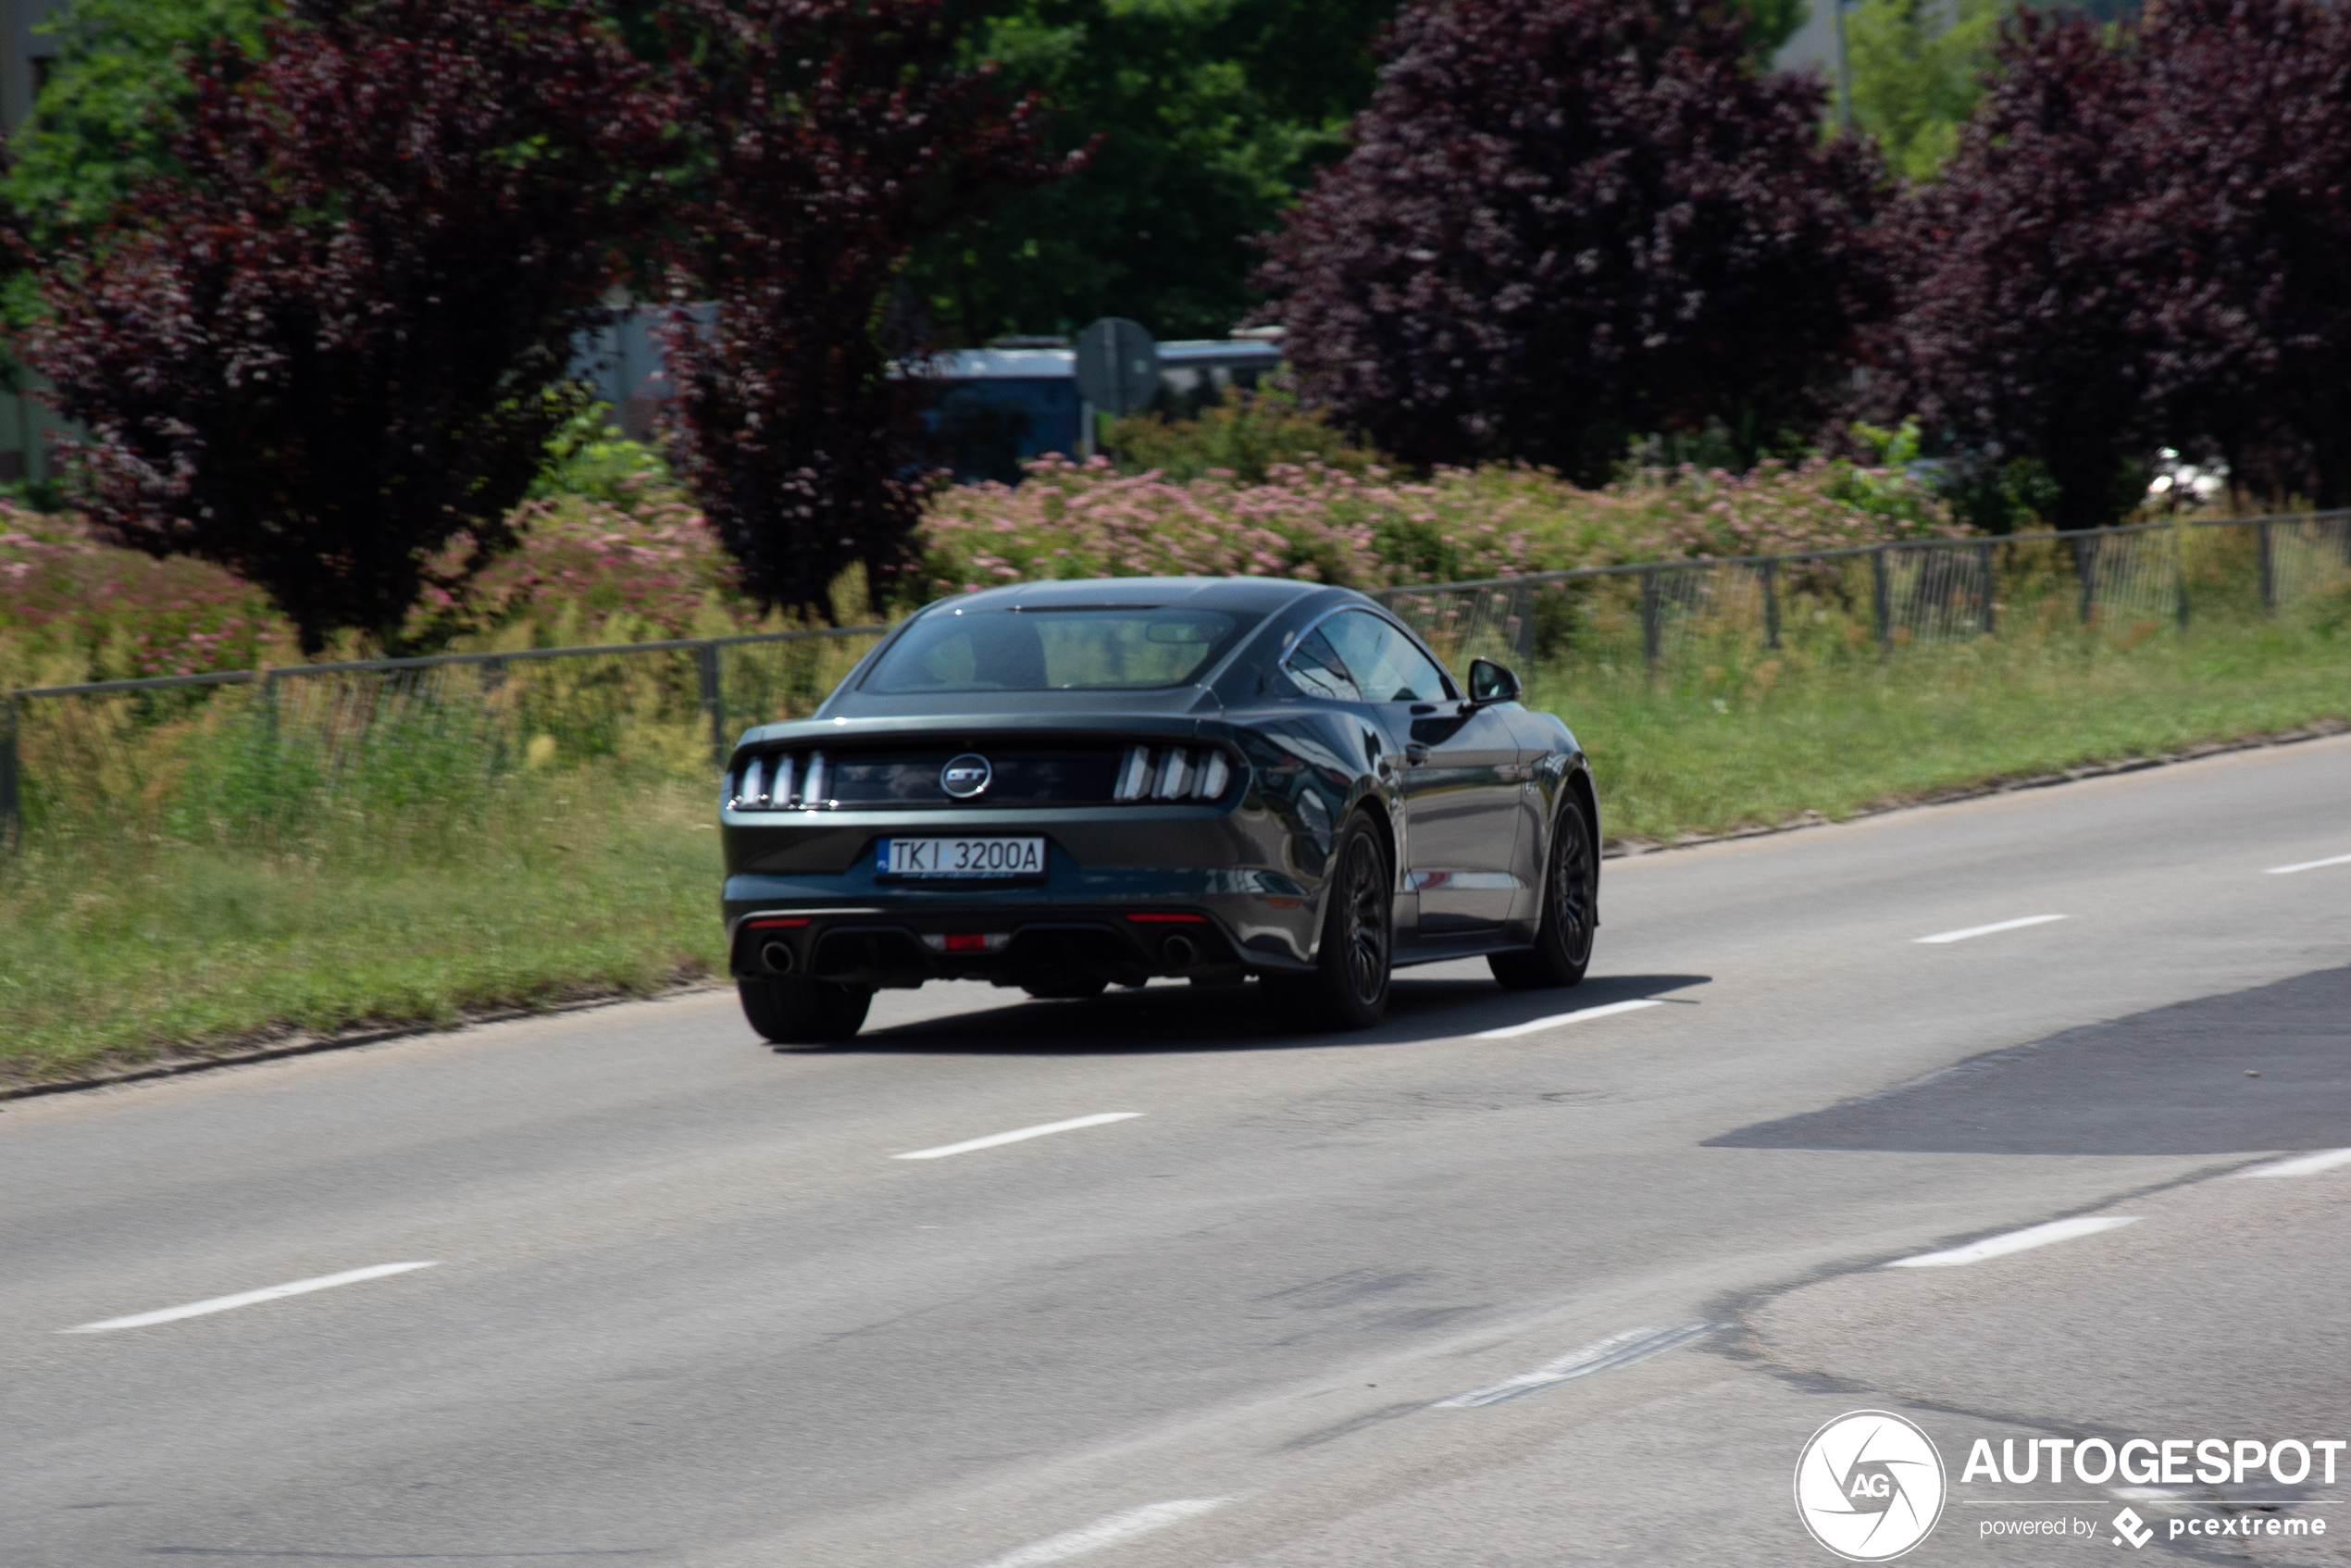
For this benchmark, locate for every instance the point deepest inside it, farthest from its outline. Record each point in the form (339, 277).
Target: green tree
(1202, 118)
(1917, 68)
(112, 104)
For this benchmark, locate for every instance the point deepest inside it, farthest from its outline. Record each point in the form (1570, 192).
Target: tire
(1348, 987)
(801, 1012)
(1562, 948)
(1067, 990)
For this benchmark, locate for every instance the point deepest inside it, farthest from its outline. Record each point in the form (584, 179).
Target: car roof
(1257, 594)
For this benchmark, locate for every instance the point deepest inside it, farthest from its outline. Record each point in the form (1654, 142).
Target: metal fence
(384, 732)
(373, 732)
(1884, 597)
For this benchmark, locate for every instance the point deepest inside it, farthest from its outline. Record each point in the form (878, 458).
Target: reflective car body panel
(1184, 828)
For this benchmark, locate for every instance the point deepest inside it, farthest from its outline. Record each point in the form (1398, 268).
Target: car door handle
(1414, 754)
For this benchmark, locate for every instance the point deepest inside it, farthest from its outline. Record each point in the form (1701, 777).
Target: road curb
(2318, 730)
(311, 1045)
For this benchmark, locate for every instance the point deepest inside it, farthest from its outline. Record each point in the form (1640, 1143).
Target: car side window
(1387, 666)
(1316, 666)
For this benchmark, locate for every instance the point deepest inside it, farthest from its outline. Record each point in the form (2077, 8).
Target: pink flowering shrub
(650, 562)
(639, 561)
(72, 608)
(1374, 530)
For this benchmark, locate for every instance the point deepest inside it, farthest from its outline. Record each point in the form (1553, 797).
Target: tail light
(1172, 772)
(774, 783)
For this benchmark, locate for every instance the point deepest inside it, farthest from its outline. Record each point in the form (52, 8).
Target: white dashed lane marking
(1964, 933)
(1109, 1530)
(2016, 1241)
(246, 1297)
(998, 1139)
(2309, 866)
(2303, 1164)
(1514, 1030)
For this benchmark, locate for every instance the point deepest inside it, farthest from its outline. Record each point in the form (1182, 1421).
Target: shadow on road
(2240, 1073)
(1197, 1018)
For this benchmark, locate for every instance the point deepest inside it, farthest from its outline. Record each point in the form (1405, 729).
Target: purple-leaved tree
(829, 136)
(328, 353)
(1565, 223)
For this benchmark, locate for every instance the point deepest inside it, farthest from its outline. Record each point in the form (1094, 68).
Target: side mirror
(1490, 682)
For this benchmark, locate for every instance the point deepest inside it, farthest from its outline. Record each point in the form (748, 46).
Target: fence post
(1523, 610)
(1650, 632)
(1882, 597)
(269, 708)
(2179, 576)
(714, 706)
(9, 811)
(1988, 570)
(1770, 602)
(2269, 568)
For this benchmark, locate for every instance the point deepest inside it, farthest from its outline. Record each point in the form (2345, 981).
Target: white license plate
(960, 857)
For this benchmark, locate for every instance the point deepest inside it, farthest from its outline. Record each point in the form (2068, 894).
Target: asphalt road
(685, 1306)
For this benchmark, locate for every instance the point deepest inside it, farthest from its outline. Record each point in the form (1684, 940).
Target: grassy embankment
(232, 908)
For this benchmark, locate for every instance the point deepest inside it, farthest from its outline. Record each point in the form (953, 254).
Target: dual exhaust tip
(1177, 951)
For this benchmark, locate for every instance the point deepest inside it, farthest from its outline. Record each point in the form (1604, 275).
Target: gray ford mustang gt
(1064, 785)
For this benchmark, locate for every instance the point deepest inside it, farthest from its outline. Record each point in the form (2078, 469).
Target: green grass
(1758, 741)
(250, 898)
(118, 949)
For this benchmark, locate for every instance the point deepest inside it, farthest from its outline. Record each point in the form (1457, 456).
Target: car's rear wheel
(789, 1010)
(1066, 990)
(1562, 948)
(1348, 987)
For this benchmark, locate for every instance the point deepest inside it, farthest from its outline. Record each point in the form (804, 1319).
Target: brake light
(773, 924)
(1171, 773)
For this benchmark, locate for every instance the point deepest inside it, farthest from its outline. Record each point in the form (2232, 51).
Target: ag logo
(966, 776)
(1868, 1485)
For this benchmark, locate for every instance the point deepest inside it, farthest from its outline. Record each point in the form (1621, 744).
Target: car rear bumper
(1126, 925)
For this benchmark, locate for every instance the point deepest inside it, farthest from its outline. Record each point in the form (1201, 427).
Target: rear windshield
(1101, 649)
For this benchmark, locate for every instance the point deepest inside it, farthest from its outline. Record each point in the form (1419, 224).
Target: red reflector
(967, 941)
(772, 924)
(1171, 919)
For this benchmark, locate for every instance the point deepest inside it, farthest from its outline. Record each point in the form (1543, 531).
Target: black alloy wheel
(1348, 987)
(792, 1010)
(1562, 948)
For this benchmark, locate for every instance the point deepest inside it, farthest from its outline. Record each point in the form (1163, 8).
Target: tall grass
(204, 868)
(1760, 739)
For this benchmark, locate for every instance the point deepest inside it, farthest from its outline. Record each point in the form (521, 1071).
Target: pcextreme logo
(1869, 1486)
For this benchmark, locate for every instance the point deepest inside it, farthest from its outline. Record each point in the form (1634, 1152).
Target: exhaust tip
(1179, 951)
(778, 956)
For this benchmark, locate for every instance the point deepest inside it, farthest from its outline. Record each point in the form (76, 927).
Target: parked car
(1062, 785)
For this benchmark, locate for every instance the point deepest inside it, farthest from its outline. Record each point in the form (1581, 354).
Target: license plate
(960, 857)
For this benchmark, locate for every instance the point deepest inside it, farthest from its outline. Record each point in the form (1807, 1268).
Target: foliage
(2025, 325)
(1198, 120)
(2247, 205)
(1917, 74)
(1373, 529)
(2138, 246)
(587, 456)
(116, 98)
(1568, 223)
(1245, 438)
(829, 138)
(328, 353)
